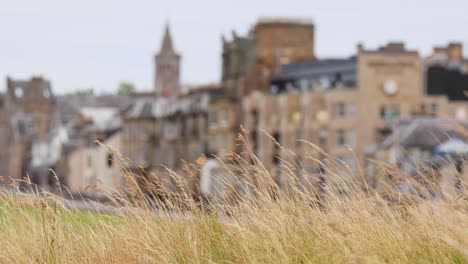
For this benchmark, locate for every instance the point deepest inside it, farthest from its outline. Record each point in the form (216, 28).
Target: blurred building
(25, 116)
(342, 106)
(324, 100)
(165, 132)
(89, 160)
(415, 147)
(249, 62)
(278, 42)
(297, 110)
(447, 71)
(70, 153)
(223, 126)
(167, 68)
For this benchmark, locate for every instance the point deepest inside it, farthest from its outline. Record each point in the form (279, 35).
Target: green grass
(35, 230)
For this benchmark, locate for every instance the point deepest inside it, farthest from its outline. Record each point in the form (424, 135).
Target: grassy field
(358, 228)
(346, 221)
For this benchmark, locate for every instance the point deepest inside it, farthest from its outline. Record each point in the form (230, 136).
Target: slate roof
(424, 133)
(141, 108)
(68, 105)
(311, 68)
(165, 107)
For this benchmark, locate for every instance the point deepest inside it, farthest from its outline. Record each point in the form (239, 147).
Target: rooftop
(317, 68)
(424, 132)
(103, 118)
(393, 47)
(285, 20)
(165, 106)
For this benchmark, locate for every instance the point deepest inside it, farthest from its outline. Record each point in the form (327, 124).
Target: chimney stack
(455, 51)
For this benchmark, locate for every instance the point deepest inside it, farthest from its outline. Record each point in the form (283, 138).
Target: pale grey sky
(99, 43)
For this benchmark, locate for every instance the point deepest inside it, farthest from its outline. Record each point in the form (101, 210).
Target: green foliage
(125, 88)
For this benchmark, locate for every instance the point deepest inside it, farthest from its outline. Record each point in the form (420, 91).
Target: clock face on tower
(390, 87)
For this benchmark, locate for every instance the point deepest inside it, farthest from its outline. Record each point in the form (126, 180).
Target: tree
(125, 88)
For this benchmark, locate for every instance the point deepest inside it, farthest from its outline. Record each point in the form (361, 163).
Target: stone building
(278, 42)
(139, 132)
(449, 56)
(446, 81)
(342, 106)
(249, 62)
(237, 59)
(223, 128)
(69, 147)
(165, 132)
(247, 65)
(25, 115)
(4, 137)
(93, 169)
(167, 68)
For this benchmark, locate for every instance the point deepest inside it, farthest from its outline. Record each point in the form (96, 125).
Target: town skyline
(75, 54)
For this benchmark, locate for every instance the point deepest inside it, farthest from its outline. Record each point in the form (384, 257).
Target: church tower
(167, 70)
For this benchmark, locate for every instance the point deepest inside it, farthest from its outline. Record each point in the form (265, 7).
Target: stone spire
(167, 47)
(167, 68)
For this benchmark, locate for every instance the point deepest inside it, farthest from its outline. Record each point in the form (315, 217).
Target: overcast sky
(99, 43)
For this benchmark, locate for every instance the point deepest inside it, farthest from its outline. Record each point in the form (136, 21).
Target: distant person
(206, 177)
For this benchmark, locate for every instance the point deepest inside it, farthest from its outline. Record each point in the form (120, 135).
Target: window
(304, 85)
(274, 89)
(110, 160)
(212, 119)
(389, 112)
(341, 137)
(434, 109)
(351, 138)
(324, 83)
(341, 109)
(346, 136)
(351, 110)
(223, 117)
(254, 115)
(323, 137)
(383, 110)
(170, 130)
(194, 127)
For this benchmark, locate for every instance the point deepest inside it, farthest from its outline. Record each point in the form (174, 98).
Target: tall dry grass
(342, 221)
